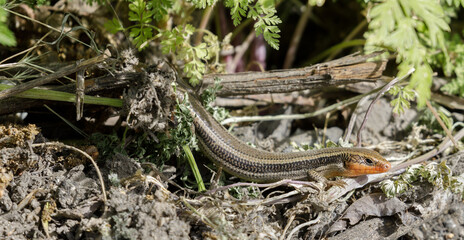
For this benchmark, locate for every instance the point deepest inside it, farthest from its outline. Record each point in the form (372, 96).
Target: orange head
(364, 161)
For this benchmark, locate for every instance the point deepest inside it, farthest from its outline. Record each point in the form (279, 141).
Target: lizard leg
(313, 175)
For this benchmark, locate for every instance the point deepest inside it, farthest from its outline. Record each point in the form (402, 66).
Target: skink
(248, 163)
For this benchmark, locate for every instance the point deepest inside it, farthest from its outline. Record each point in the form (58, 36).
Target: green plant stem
(117, 17)
(144, 26)
(350, 36)
(63, 96)
(342, 45)
(442, 124)
(240, 27)
(217, 24)
(193, 165)
(204, 21)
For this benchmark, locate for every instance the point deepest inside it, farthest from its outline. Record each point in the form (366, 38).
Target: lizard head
(365, 161)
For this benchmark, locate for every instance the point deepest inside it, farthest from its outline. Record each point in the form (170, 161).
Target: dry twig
(381, 92)
(59, 144)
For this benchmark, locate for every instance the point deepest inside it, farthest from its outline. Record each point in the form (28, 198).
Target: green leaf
(160, 8)
(189, 30)
(408, 93)
(7, 37)
(3, 12)
(213, 46)
(446, 119)
(264, 12)
(421, 81)
(133, 17)
(203, 3)
(399, 105)
(141, 36)
(271, 36)
(177, 42)
(201, 51)
(140, 12)
(113, 26)
(414, 29)
(404, 96)
(394, 90)
(135, 32)
(238, 9)
(439, 175)
(452, 64)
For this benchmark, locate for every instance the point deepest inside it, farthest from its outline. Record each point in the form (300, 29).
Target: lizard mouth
(357, 169)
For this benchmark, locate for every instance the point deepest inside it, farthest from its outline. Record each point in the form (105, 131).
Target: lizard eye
(369, 161)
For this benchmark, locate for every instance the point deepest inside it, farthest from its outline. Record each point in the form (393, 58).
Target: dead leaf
(374, 205)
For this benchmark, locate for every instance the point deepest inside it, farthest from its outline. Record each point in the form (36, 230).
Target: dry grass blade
(442, 124)
(381, 92)
(297, 228)
(51, 77)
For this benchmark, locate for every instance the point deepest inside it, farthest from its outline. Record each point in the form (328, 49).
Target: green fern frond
(414, 29)
(263, 12)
